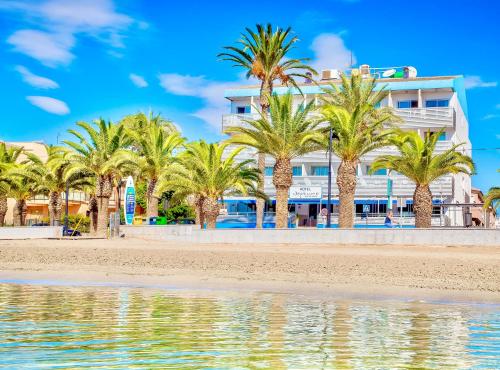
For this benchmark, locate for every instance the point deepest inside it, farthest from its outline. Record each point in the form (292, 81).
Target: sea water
(50, 326)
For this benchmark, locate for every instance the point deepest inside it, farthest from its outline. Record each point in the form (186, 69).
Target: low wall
(28, 232)
(191, 234)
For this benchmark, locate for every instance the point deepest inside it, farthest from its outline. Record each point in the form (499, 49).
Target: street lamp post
(329, 201)
(66, 213)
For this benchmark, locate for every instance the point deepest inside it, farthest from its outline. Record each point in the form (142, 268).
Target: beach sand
(431, 273)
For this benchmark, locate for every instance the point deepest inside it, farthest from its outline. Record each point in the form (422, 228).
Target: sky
(65, 61)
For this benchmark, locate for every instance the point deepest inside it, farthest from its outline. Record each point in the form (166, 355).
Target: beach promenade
(413, 272)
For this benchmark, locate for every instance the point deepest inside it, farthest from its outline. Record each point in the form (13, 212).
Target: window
(380, 172)
(319, 170)
(406, 104)
(297, 170)
(437, 103)
(268, 171)
(243, 110)
(442, 135)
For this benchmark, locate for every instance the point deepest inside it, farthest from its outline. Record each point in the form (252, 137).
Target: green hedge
(82, 221)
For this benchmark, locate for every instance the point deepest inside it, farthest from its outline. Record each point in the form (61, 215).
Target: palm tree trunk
(346, 182)
(198, 209)
(103, 193)
(3, 209)
(152, 210)
(422, 206)
(102, 216)
(210, 211)
(55, 204)
(282, 180)
(266, 89)
(20, 210)
(260, 203)
(93, 212)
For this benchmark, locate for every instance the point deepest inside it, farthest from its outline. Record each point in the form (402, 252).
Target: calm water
(91, 327)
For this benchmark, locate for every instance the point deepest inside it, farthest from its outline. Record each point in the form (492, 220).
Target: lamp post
(66, 212)
(329, 201)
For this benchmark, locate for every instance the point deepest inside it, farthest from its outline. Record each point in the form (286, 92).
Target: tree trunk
(93, 212)
(422, 206)
(55, 204)
(346, 182)
(210, 211)
(266, 89)
(198, 209)
(20, 210)
(282, 180)
(104, 189)
(152, 210)
(102, 217)
(260, 203)
(3, 209)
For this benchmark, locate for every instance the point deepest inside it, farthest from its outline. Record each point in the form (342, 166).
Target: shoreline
(431, 274)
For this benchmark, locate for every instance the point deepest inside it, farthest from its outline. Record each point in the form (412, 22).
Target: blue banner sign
(129, 201)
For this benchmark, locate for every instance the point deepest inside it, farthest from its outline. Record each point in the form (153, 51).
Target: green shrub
(78, 222)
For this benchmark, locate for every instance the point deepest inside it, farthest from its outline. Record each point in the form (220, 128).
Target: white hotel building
(424, 103)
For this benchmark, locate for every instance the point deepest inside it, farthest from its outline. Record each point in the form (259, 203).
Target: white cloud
(50, 49)
(56, 23)
(211, 92)
(137, 80)
(472, 82)
(35, 80)
(50, 105)
(490, 116)
(331, 52)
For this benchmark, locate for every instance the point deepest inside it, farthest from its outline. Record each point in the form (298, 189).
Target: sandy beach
(403, 272)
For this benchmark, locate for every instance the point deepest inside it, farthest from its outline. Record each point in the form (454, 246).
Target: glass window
(406, 104)
(297, 170)
(319, 170)
(437, 103)
(380, 172)
(243, 110)
(442, 135)
(268, 171)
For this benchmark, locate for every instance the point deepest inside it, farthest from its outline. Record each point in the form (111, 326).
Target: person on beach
(389, 220)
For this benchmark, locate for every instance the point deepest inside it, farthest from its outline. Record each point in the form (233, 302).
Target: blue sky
(64, 61)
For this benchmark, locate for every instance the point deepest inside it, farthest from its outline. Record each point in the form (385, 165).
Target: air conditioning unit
(330, 74)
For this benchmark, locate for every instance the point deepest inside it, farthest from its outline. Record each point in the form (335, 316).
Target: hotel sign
(305, 192)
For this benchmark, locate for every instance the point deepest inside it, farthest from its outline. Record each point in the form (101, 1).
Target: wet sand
(429, 273)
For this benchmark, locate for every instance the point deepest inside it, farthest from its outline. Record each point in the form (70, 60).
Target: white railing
(413, 117)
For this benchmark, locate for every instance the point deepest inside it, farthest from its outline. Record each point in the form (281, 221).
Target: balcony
(413, 118)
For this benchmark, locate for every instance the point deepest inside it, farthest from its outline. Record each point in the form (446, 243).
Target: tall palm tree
(100, 150)
(264, 55)
(418, 161)
(9, 156)
(359, 128)
(204, 172)
(284, 135)
(492, 197)
(21, 188)
(155, 147)
(49, 178)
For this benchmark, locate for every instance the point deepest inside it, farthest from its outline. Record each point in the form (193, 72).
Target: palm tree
(492, 197)
(155, 150)
(264, 55)
(100, 150)
(20, 188)
(49, 178)
(358, 126)
(284, 135)
(418, 161)
(9, 156)
(204, 173)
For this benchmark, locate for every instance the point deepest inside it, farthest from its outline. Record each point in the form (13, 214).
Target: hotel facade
(425, 104)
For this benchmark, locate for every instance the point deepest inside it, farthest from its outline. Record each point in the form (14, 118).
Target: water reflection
(72, 327)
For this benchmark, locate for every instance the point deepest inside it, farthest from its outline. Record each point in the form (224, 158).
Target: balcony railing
(413, 118)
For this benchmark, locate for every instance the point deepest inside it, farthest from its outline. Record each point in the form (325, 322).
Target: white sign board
(305, 192)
